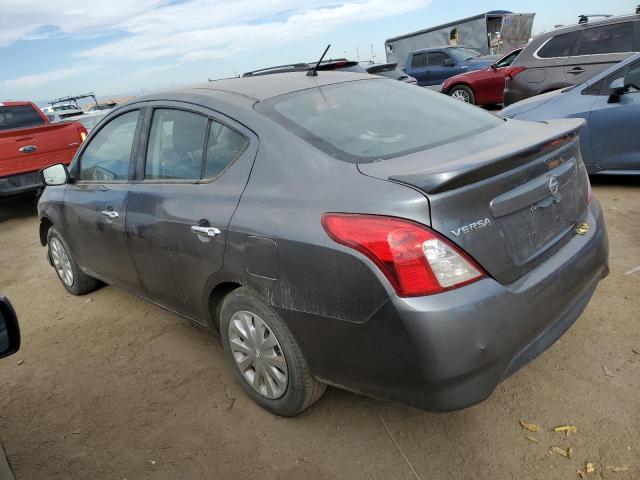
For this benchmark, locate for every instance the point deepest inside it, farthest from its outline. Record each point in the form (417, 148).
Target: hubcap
(258, 354)
(461, 95)
(61, 262)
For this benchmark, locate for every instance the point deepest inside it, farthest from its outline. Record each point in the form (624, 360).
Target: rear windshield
(19, 116)
(369, 120)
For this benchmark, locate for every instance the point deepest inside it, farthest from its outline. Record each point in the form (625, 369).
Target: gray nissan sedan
(338, 229)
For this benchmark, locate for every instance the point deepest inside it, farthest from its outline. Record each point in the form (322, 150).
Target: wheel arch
(216, 297)
(45, 225)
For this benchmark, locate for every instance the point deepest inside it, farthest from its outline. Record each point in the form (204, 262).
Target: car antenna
(313, 72)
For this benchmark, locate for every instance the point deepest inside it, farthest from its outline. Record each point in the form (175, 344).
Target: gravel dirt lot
(109, 386)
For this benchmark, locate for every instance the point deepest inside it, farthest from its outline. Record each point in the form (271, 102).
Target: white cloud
(38, 79)
(191, 30)
(151, 36)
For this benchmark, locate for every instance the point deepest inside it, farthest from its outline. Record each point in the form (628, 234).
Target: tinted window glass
(19, 116)
(419, 60)
(225, 145)
(632, 77)
(176, 144)
(508, 60)
(437, 58)
(369, 120)
(108, 155)
(560, 45)
(607, 39)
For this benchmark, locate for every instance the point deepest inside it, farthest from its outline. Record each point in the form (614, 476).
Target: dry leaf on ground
(532, 427)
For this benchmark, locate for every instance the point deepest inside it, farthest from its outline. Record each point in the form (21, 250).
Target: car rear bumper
(450, 351)
(21, 183)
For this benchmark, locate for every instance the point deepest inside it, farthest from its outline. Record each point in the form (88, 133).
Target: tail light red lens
(416, 260)
(511, 72)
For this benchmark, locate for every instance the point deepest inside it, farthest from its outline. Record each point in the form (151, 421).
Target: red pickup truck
(29, 143)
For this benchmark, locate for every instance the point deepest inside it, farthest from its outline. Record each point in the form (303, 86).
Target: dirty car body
(322, 212)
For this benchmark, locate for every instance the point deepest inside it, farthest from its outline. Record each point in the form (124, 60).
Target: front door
(191, 175)
(96, 202)
(438, 72)
(614, 127)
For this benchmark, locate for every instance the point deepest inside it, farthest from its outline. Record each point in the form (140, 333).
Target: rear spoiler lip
(496, 160)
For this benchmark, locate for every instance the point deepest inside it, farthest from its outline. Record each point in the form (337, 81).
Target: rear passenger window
(225, 145)
(176, 145)
(614, 38)
(560, 45)
(419, 60)
(108, 155)
(19, 116)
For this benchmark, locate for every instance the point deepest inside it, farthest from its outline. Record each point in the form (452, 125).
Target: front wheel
(463, 93)
(72, 277)
(266, 359)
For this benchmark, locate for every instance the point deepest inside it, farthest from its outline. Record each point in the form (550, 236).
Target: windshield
(464, 53)
(369, 120)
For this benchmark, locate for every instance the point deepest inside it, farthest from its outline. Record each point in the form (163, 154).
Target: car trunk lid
(509, 197)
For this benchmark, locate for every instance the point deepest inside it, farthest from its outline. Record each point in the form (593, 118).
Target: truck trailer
(490, 33)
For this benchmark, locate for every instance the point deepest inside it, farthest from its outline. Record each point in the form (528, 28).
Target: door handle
(28, 149)
(110, 214)
(210, 232)
(576, 70)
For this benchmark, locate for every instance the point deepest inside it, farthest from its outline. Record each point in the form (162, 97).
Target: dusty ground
(108, 386)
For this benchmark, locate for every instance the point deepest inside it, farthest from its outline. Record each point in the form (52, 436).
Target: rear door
(614, 127)
(191, 174)
(598, 48)
(28, 143)
(418, 67)
(96, 201)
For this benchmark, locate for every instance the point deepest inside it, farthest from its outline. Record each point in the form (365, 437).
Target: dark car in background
(610, 105)
(432, 66)
(389, 70)
(481, 87)
(341, 229)
(571, 55)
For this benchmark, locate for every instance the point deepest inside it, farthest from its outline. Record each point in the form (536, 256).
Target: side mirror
(448, 62)
(494, 67)
(617, 89)
(9, 329)
(55, 175)
(404, 69)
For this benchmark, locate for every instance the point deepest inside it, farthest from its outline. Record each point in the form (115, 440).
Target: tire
(463, 93)
(292, 387)
(78, 282)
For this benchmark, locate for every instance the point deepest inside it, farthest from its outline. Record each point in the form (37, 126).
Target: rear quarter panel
(292, 184)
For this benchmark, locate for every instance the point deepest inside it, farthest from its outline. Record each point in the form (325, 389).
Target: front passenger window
(176, 145)
(108, 155)
(632, 77)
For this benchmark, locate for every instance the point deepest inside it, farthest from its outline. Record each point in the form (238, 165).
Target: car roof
(262, 87)
(580, 26)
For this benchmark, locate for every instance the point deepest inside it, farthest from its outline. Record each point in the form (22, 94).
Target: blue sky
(50, 48)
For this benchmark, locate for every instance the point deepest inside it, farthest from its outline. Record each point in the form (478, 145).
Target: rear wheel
(266, 358)
(463, 93)
(72, 277)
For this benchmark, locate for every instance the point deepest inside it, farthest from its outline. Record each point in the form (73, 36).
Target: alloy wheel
(61, 262)
(461, 95)
(258, 354)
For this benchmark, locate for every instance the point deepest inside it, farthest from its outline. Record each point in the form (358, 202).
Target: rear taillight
(83, 136)
(415, 259)
(82, 131)
(513, 71)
